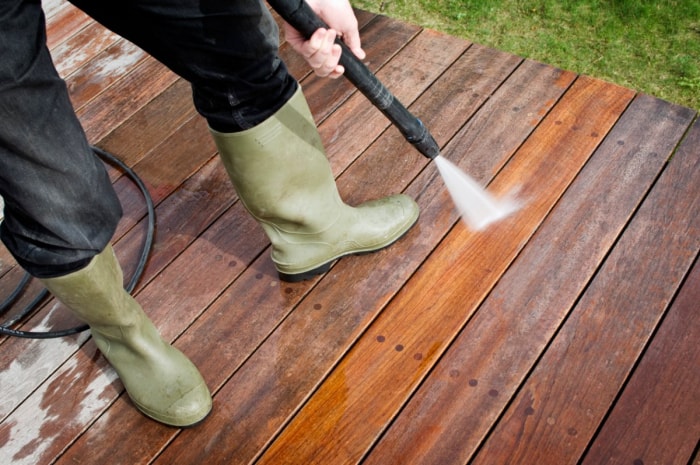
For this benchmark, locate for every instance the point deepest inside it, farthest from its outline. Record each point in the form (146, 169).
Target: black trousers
(60, 208)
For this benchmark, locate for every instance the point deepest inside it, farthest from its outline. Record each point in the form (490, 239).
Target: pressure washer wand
(300, 16)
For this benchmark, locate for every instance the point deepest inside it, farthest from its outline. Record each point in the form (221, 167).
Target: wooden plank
(565, 399)
(51, 7)
(191, 139)
(451, 413)
(120, 101)
(175, 159)
(64, 24)
(220, 323)
(156, 122)
(7, 263)
(111, 67)
(411, 334)
(324, 321)
(82, 47)
(657, 417)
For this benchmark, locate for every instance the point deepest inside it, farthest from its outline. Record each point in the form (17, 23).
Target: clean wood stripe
(418, 324)
(325, 321)
(454, 409)
(183, 142)
(157, 439)
(580, 374)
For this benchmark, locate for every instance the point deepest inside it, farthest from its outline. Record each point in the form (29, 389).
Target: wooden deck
(565, 334)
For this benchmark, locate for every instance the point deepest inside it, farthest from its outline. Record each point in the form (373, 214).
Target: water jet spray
(476, 206)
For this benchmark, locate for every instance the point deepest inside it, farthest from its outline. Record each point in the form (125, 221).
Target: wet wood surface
(566, 333)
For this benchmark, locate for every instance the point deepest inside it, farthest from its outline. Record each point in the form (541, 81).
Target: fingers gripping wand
(300, 16)
(477, 207)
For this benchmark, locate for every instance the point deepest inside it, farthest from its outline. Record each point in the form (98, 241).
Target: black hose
(5, 327)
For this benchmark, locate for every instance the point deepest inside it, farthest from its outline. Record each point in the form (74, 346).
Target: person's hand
(321, 51)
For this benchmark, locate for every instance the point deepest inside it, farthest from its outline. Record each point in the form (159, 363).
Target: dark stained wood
(560, 405)
(324, 321)
(657, 391)
(455, 408)
(563, 334)
(154, 123)
(124, 98)
(413, 331)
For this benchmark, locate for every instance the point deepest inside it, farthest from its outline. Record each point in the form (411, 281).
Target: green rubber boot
(160, 380)
(281, 174)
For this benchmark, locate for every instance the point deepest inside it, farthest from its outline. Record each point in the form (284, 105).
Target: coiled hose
(6, 326)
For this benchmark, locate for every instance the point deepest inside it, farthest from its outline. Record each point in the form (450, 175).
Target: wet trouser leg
(60, 208)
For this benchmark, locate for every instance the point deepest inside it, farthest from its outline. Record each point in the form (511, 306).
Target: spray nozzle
(423, 141)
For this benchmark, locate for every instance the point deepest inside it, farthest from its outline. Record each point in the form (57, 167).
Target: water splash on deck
(477, 207)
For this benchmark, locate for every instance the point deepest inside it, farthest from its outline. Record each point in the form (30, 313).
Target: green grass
(652, 46)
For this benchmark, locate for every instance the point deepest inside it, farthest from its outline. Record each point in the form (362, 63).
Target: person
(61, 210)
